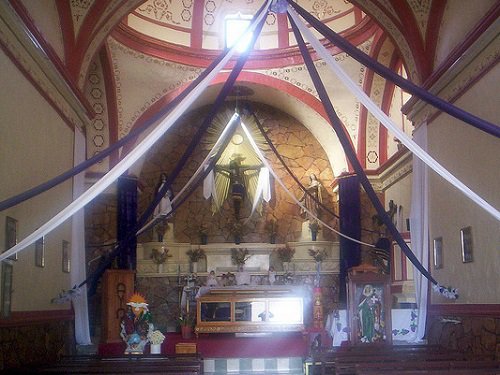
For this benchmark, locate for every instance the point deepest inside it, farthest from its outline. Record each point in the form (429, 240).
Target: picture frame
(467, 244)
(438, 252)
(10, 235)
(40, 252)
(66, 260)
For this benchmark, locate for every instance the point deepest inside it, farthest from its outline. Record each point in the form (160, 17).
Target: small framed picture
(40, 252)
(66, 260)
(10, 235)
(438, 253)
(467, 244)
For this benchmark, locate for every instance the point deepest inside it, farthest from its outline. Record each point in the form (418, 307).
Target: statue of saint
(309, 202)
(165, 206)
(136, 325)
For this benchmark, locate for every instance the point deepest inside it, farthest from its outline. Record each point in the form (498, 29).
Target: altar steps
(253, 366)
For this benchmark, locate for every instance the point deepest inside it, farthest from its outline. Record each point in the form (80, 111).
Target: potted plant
(319, 256)
(314, 227)
(194, 256)
(203, 233)
(285, 254)
(186, 322)
(237, 232)
(159, 256)
(272, 229)
(239, 256)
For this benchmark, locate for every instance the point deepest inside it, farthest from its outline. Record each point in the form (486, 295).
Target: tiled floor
(220, 366)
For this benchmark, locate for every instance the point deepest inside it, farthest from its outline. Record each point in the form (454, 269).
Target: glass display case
(234, 311)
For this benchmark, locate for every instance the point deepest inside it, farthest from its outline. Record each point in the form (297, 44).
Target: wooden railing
(403, 359)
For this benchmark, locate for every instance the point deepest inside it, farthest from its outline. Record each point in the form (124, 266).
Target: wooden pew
(140, 364)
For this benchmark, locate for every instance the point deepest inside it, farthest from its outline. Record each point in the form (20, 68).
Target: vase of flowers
(239, 256)
(194, 256)
(159, 257)
(314, 227)
(272, 229)
(156, 339)
(186, 322)
(285, 255)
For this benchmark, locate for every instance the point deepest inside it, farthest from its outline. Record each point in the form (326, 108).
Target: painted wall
(35, 145)
(473, 157)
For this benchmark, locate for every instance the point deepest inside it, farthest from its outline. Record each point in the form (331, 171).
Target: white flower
(156, 337)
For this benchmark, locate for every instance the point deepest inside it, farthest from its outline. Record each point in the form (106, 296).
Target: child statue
(136, 325)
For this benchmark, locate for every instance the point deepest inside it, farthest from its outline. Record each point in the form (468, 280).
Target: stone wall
(471, 335)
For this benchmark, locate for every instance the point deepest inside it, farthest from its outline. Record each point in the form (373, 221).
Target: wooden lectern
(117, 288)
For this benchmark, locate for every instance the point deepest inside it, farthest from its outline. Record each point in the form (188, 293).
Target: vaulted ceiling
(116, 63)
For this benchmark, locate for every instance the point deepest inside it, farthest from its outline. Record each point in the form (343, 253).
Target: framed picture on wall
(438, 252)
(40, 252)
(10, 235)
(66, 260)
(467, 244)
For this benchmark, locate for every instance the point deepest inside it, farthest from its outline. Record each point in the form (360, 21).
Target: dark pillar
(127, 220)
(350, 225)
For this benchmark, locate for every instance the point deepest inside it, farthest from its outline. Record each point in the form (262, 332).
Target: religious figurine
(369, 311)
(164, 207)
(312, 202)
(242, 276)
(271, 275)
(212, 279)
(136, 325)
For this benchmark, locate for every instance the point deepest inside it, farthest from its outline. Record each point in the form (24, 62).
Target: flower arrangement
(448, 292)
(195, 254)
(156, 337)
(314, 226)
(319, 255)
(285, 254)
(239, 256)
(160, 256)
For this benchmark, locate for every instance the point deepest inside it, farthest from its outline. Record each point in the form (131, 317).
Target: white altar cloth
(404, 326)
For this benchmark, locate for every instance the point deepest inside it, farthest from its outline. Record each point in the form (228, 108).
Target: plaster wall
(459, 18)
(35, 145)
(473, 157)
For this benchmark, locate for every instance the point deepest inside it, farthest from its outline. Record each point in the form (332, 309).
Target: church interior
(250, 186)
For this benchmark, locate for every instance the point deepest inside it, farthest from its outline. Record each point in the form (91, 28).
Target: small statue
(271, 275)
(212, 279)
(136, 325)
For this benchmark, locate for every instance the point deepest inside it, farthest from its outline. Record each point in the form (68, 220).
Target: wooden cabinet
(246, 311)
(117, 288)
(369, 306)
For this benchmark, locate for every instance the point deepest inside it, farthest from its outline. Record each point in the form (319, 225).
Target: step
(268, 366)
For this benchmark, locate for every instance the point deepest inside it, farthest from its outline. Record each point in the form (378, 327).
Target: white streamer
(129, 159)
(386, 121)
